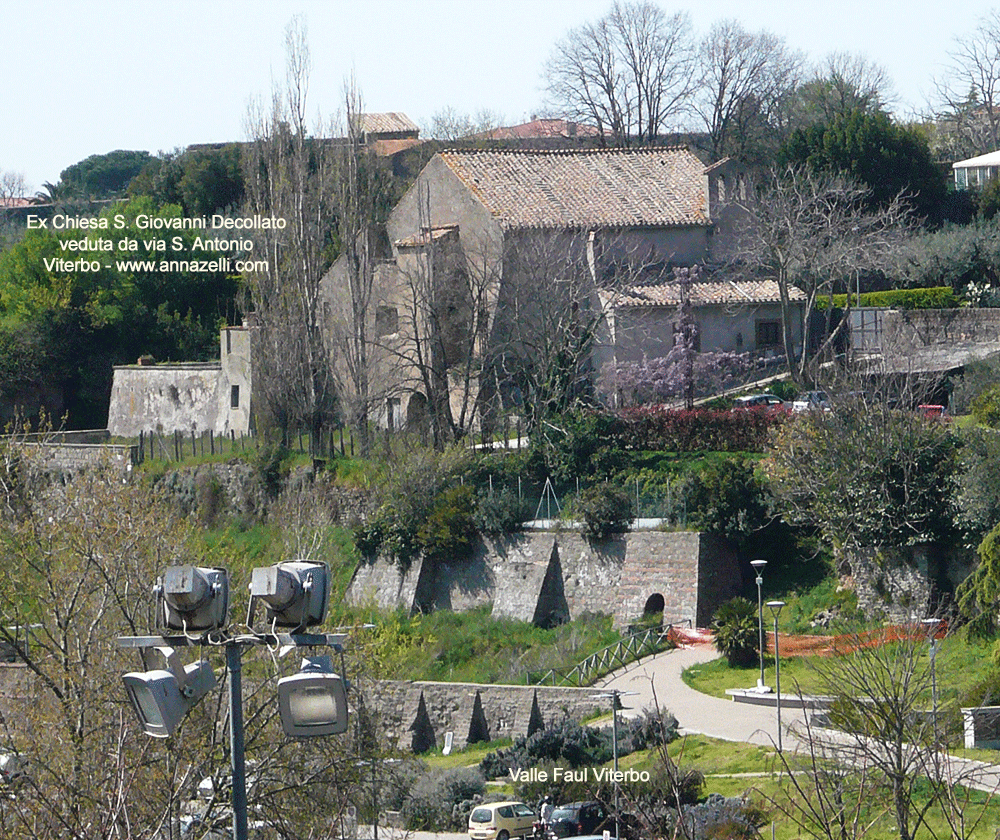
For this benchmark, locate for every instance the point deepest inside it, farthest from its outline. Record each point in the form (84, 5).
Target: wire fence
(665, 502)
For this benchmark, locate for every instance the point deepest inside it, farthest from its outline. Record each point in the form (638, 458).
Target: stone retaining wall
(547, 577)
(417, 715)
(905, 583)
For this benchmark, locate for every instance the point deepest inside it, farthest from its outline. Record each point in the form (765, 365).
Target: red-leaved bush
(680, 430)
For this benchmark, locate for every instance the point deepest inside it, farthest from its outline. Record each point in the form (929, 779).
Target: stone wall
(71, 457)
(911, 329)
(547, 577)
(905, 583)
(420, 713)
(166, 398)
(241, 491)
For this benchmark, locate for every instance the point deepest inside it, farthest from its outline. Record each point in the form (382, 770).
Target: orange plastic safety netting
(791, 645)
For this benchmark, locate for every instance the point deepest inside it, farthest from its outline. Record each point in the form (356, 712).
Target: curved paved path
(660, 674)
(656, 680)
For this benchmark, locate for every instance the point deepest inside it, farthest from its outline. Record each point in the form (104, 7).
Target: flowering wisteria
(666, 377)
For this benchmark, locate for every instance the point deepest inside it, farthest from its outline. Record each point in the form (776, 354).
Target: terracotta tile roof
(393, 122)
(541, 128)
(426, 236)
(661, 187)
(707, 293)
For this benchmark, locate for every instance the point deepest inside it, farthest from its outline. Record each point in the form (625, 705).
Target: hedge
(938, 297)
(681, 430)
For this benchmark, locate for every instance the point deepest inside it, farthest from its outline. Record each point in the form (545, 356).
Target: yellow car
(501, 821)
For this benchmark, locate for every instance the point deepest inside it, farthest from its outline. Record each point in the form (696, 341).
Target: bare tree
(363, 195)
(881, 685)
(746, 80)
(289, 177)
(841, 83)
(449, 124)
(967, 106)
(12, 185)
(629, 74)
(444, 293)
(550, 319)
(812, 232)
(79, 557)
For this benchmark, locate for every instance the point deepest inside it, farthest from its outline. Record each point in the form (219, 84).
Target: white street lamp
(775, 608)
(931, 625)
(758, 567)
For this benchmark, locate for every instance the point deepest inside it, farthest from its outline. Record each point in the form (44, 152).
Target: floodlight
(296, 593)
(194, 598)
(161, 700)
(313, 701)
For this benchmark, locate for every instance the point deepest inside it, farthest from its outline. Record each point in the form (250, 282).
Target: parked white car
(811, 401)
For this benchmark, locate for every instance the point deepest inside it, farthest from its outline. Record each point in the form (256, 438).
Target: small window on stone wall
(234, 396)
(768, 334)
(386, 321)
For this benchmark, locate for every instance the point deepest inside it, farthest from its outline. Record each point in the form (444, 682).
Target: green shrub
(737, 632)
(576, 444)
(449, 529)
(986, 407)
(726, 499)
(605, 510)
(938, 297)
(441, 800)
(502, 512)
(571, 744)
(210, 500)
(269, 462)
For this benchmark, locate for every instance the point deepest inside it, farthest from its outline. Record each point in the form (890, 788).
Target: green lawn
(964, 669)
(737, 769)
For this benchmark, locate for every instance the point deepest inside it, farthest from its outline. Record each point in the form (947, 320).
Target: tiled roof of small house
(391, 122)
(540, 128)
(723, 292)
(595, 188)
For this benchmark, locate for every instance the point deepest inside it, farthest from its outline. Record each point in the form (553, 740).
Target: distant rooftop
(392, 124)
(540, 129)
(643, 187)
(706, 293)
(990, 159)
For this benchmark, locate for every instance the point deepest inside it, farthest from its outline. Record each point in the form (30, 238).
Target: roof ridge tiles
(524, 152)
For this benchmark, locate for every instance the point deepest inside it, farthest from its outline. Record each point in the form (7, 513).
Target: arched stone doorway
(417, 420)
(654, 605)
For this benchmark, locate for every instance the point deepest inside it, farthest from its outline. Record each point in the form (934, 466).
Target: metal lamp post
(758, 566)
(931, 625)
(775, 608)
(615, 694)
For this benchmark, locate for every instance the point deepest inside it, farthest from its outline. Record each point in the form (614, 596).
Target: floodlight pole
(237, 739)
(615, 694)
(234, 653)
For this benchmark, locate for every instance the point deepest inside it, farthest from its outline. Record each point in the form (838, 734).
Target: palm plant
(736, 632)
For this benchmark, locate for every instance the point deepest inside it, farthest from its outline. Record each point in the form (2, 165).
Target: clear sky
(80, 78)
